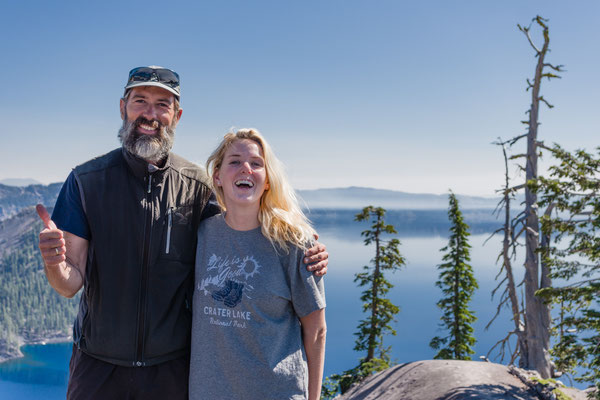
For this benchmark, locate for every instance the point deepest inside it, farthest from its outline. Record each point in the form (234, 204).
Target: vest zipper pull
(169, 225)
(150, 183)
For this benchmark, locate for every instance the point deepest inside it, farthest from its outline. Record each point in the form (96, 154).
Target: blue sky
(388, 94)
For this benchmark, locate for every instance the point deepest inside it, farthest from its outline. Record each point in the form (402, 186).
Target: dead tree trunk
(537, 313)
(510, 291)
(507, 243)
(545, 280)
(375, 291)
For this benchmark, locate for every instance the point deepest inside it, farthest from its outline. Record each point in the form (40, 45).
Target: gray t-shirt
(246, 334)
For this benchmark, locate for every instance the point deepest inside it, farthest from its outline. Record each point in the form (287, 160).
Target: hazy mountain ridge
(15, 198)
(19, 182)
(359, 197)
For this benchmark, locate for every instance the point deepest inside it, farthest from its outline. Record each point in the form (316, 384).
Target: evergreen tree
(573, 190)
(387, 257)
(458, 284)
(380, 309)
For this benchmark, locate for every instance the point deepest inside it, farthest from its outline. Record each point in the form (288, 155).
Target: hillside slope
(13, 199)
(30, 310)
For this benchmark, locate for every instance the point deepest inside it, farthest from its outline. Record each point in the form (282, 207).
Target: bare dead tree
(509, 295)
(534, 352)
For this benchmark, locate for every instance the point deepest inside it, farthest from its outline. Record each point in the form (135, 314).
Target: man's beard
(152, 148)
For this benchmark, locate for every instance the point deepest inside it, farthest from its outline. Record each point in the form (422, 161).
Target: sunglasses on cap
(154, 76)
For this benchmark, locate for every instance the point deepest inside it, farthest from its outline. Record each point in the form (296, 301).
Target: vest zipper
(144, 278)
(169, 225)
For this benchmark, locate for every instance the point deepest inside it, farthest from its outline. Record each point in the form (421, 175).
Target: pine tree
(458, 284)
(572, 189)
(380, 309)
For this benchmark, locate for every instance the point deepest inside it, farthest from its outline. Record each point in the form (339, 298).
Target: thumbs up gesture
(52, 241)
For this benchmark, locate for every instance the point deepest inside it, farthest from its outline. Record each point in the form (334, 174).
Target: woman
(259, 315)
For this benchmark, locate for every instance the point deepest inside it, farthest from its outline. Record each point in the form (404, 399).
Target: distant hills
(358, 197)
(19, 182)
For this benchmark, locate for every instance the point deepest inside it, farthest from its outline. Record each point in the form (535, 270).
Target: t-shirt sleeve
(68, 214)
(211, 208)
(308, 290)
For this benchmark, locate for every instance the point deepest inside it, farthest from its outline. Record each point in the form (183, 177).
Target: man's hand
(52, 241)
(64, 256)
(317, 258)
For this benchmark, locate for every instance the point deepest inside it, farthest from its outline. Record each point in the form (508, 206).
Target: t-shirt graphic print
(228, 280)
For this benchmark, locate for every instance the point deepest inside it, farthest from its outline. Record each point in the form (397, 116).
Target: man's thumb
(43, 213)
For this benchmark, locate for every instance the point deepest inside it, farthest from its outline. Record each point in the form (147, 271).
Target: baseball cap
(154, 76)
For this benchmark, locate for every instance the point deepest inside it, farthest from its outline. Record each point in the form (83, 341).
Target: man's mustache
(144, 121)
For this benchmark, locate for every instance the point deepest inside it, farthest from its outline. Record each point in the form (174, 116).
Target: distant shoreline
(10, 354)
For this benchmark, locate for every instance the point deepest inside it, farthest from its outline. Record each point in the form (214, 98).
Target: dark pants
(90, 378)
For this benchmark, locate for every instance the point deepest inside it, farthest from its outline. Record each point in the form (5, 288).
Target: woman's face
(242, 175)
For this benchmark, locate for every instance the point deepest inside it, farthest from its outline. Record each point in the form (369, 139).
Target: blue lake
(42, 374)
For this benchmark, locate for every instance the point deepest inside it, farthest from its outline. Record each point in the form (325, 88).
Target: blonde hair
(281, 218)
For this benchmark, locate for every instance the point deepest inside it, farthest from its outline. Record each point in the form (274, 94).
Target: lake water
(42, 374)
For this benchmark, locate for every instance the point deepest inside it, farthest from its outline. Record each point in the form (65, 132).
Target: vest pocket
(179, 239)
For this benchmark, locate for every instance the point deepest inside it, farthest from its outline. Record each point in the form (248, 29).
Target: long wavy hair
(281, 218)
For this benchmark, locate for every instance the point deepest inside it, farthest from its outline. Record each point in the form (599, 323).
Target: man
(124, 228)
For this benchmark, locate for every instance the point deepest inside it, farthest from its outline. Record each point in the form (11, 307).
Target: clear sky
(402, 95)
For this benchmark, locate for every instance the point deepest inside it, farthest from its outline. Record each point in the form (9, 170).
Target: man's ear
(122, 108)
(178, 116)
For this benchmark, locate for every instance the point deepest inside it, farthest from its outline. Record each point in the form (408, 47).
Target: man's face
(149, 121)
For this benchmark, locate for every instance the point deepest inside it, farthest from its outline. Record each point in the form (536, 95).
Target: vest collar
(139, 167)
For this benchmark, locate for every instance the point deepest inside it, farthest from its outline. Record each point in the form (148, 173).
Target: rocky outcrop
(8, 350)
(449, 380)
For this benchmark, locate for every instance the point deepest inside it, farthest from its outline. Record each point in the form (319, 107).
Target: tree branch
(557, 68)
(515, 156)
(516, 139)
(541, 98)
(526, 32)
(540, 143)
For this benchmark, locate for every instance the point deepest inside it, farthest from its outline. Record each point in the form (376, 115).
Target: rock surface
(447, 380)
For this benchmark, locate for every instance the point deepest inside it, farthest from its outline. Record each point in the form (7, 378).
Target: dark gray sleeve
(211, 208)
(308, 290)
